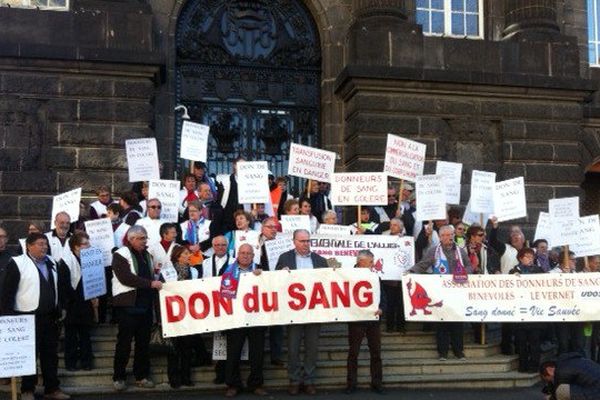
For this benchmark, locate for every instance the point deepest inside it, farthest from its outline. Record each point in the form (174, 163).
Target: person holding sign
(58, 238)
(394, 306)
(79, 317)
(31, 286)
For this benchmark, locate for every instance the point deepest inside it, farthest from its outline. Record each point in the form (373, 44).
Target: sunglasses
(480, 234)
(155, 207)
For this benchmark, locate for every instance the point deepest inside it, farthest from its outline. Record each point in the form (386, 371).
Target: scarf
(442, 266)
(231, 278)
(183, 272)
(191, 196)
(165, 245)
(191, 233)
(543, 261)
(474, 250)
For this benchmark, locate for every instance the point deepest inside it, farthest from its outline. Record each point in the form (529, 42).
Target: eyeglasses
(155, 207)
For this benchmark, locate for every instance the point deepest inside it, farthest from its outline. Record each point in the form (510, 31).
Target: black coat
(582, 374)
(78, 310)
(288, 259)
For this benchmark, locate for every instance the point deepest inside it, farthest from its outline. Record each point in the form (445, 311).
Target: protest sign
(565, 208)
(404, 158)
(431, 197)
(168, 272)
(452, 173)
(277, 247)
(66, 202)
(361, 188)
(253, 182)
(92, 273)
(564, 218)
(334, 230)
(271, 298)
(142, 160)
(290, 223)
(509, 199)
(194, 141)
(482, 192)
(168, 193)
(310, 163)
(543, 229)
(470, 218)
(220, 347)
(587, 242)
(502, 298)
(17, 353)
(101, 237)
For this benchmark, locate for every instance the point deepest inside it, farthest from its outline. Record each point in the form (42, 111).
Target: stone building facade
(74, 85)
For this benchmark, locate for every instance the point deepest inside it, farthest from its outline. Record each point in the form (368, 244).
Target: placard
(142, 159)
(167, 192)
(431, 197)
(588, 243)
(290, 223)
(543, 229)
(482, 191)
(360, 188)
(509, 199)
(276, 247)
(194, 141)
(168, 272)
(253, 182)
(404, 158)
(17, 353)
(564, 208)
(564, 217)
(310, 163)
(334, 230)
(470, 218)
(92, 273)
(67, 202)
(220, 347)
(101, 237)
(452, 173)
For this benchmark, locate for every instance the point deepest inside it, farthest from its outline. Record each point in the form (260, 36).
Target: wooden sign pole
(308, 188)
(400, 190)
(358, 215)
(13, 388)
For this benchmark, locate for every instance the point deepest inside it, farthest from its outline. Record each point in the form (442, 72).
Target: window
(593, 14)
(458, 18)
(41, 4)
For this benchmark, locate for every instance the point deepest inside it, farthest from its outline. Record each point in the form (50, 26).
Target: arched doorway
(250, 70)
(591, 187)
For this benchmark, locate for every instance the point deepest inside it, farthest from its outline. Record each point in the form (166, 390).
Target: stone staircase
(409, 360)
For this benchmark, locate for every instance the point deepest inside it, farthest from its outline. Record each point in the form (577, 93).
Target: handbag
(158, 343)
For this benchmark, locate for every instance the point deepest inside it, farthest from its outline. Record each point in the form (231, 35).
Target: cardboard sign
(290, 223)
(17, 353)
(168, 193)
(404, 158)
(194, 141)
(470, 218)
(334, 230)
(276, 248)
(101, 237)
(452, 173)
(564, 217)
(67, 202)
(431, 197)
(253, 182)
(509, 199)
(92, 273)
(543, 229)
(588, 243)
(482, 192)
(220, 347)
(565, 208)
(361, 188)
(310, 163)
(142, 160)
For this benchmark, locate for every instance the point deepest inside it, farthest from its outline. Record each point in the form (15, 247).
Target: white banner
(142, 159)
(482, 191)
(310, 163)
(289, 223)
(452, 173)
(431, 197)
(220, 347)
(277, 247)
(509, 199)
(253, 182)
(17, 353)
(167, 192)
(194, 141)
(334, 230)
(272, 298)
(404, 158)
(502, 298)
(101, 237)
(360, 188)
(92, 273)
(588, 238)
(67, 202)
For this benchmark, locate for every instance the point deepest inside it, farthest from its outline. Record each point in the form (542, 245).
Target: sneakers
(443, 357)
(119, 386)
(144, 383)
(56, 395)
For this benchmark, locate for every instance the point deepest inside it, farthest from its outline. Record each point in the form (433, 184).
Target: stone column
(363, 8)
(530, 18)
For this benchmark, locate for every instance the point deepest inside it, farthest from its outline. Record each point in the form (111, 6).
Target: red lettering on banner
(318, 297)
(367, 296)
(338, 294)
(205, 305)
(274, 306)
(294, 291)
(251, 300)
(171, 317)
(221, 302)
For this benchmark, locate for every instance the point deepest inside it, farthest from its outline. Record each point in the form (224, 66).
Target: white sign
(168, 272)
(310, 163)
(290, 223)
(404, 158)
(168, 193)
(452, 173)
(431, 197)
(277, 247)
(220, 347)
(588, 243)
(482, 191)
(194, 141)
(361, 188)
(565, 208)
(253, 182)
(509, 199)
(17, 353)
(564, 217)
(101, 237)
(92, 273)
(543, 229)
(334, 230)
(142, 159)
(471, 218)
(67, 202)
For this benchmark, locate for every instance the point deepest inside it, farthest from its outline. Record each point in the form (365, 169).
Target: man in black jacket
(571, 377)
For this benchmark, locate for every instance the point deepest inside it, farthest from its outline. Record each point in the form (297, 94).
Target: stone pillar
(363, 8)
(530, 18)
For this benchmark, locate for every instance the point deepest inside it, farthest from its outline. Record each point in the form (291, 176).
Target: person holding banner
(79, 317)
(58, 238)
(31, 286)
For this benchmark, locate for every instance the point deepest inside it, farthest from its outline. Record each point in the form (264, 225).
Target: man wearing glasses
(301, 258)
(152, 221)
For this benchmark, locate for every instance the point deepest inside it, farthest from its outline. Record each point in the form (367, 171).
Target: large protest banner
(482, 192)
(360, 188)
(404, 158)
(66, 202)
(142, 159)
(101, 237)
(272, 298)
(502, 298)
(167, 192)
(194, 141)
(431, 197)
(509, 199)
(17, 353)
(253, 182)
(92, 273)
(452, 173)
(310, 163)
